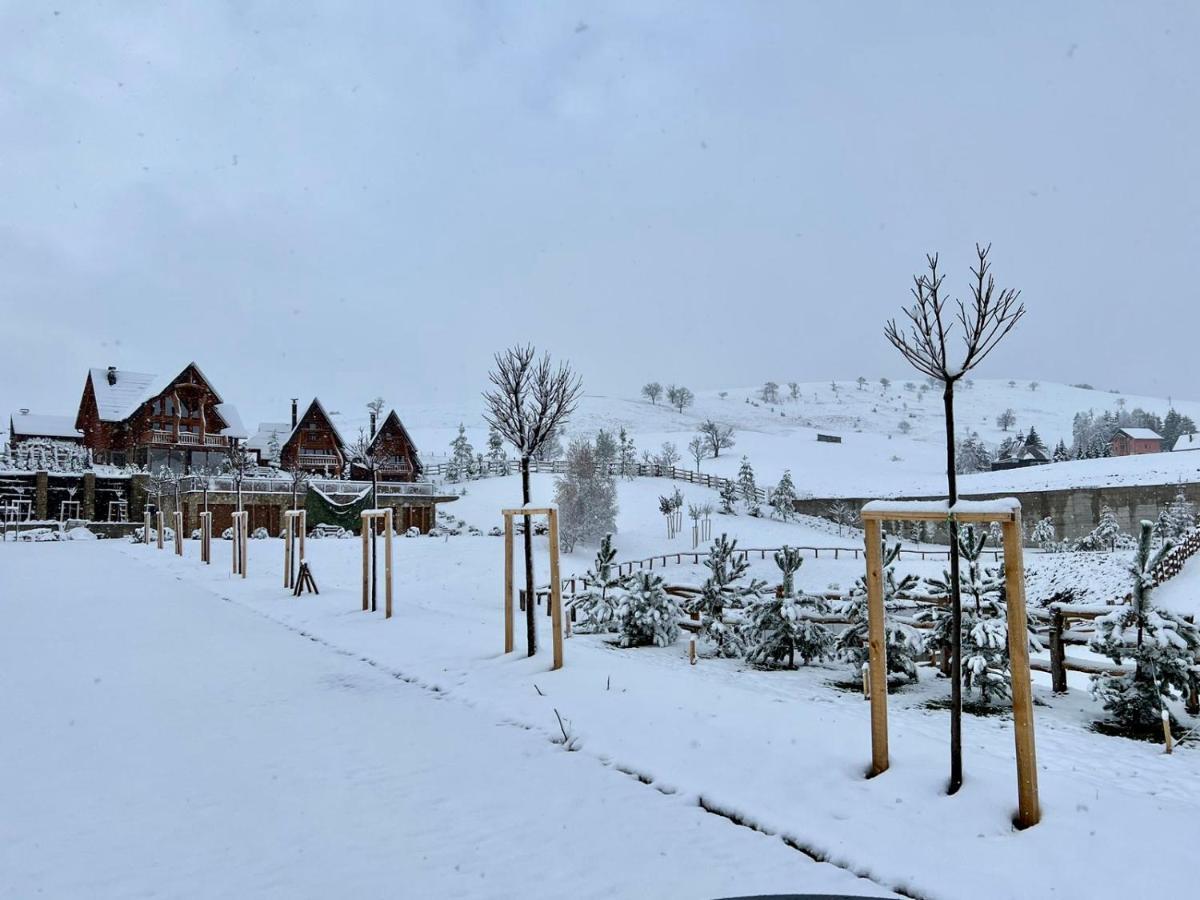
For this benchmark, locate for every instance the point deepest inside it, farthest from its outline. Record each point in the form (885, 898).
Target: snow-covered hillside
(878, 454)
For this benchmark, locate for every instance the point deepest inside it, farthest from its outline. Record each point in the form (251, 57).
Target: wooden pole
(303, 532)
(245, 542)
(366, 561)
(159, 536)
(877, 647)
(178, 533)
(387, 564)
(1058, 662)
(1168, 741)
(1029, 813)
(145, 531)
(235, 549)
(555, 592)
(508, 583)
(288, 534)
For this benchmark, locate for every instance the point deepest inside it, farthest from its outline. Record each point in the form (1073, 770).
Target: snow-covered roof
(317, 403)
(117, 402)
(1190, 441)
(233, 421)
(1141, 434)
(34, 425)
(261, 439)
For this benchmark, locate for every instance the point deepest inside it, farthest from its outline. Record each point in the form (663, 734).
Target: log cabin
(391, 450)
(179, 422)
(314, 444)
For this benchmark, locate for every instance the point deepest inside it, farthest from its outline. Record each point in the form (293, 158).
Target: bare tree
(680, 397)
(238, 461)
(652, 391)
(717, 437)
(531, 399)
(985, 320)
(698, 448)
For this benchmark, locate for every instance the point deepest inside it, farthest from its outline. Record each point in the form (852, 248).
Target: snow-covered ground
(875, 458)
(161, 742)
(202, 711)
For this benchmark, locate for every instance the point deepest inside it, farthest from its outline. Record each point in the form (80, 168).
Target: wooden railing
(159, 437)
(227, 484)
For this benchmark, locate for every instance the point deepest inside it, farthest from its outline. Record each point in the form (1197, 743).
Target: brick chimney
(112, 374)
(295, 400)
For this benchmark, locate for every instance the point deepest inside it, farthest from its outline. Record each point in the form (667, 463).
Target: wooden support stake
(159, 536)
(1058, 661)
(555, 592)
(288, 531)
(1167, 739)
(508, 583)
(366, 562)
(877, 647)
(866, 676)
(387, 564)
(178, 533)
(146, 531)
(1029, 812)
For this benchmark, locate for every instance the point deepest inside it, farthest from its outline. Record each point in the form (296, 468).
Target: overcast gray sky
(352, 199)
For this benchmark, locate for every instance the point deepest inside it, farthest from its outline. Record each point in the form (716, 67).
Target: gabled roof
(392, 417)
(1141, 434)
(34, 425)
(1190, 441)
(261, 440)
(321, 409)
(117, 402)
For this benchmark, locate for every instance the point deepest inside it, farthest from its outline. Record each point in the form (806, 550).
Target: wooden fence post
(555, 591)
(159, 536)
(876, 646)
(508, 583)
(1029, 813)
(1058, 667)
(387, 563)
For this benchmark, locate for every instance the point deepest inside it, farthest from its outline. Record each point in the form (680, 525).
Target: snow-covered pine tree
(984, 620)
(1183, 516)
(1107, 531)
(1043, 533)
(1061, 453)
(586, 496)
(902, 640)
(729, 495)
(1034, 441)
(783, 625)
(783, 498)
(747, 487)
(626, 454)
(462, 457)
(596, 605)
(647, 614)
(605, 448)
(1162, 645)
(497, 458)
(721, 591)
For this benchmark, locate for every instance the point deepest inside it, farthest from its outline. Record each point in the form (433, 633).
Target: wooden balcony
(310, 460)
(158, 438)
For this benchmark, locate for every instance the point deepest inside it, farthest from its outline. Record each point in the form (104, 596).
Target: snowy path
(160, 742)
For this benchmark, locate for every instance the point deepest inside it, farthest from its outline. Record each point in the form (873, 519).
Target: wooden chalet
(314, 444)
(179, 422)
(392, 452)
(1136, 441)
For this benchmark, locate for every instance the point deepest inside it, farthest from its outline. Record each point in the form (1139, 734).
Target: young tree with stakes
(531, 398)
(985, 320)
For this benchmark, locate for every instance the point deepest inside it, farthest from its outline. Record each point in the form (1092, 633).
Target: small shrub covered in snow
(1161, 644)
(596, 605)
(413, 532)
(647, 614)
(782, 626)
(902, 641)
(722, 590)
(260, 534)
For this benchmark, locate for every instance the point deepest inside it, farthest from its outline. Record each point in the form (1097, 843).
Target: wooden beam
(555, 592)
(508, 583)
(902, 515)
(530, 511)
(1029, 812)
(387, 564)
(876, 646)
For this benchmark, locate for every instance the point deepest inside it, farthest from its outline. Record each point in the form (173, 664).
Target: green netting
(324, 511)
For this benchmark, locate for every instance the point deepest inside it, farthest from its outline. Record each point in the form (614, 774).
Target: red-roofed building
(1136, 441)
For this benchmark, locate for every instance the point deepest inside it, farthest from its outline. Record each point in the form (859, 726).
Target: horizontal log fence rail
(227, 484)
(616, 469)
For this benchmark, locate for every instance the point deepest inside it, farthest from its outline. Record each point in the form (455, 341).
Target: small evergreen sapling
(783, 498)
(783, 625)
(747, 487)
(901, 639)
(729, 496)
(721, 591)
(1162, 645)
(597, 603)
(647, 614)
